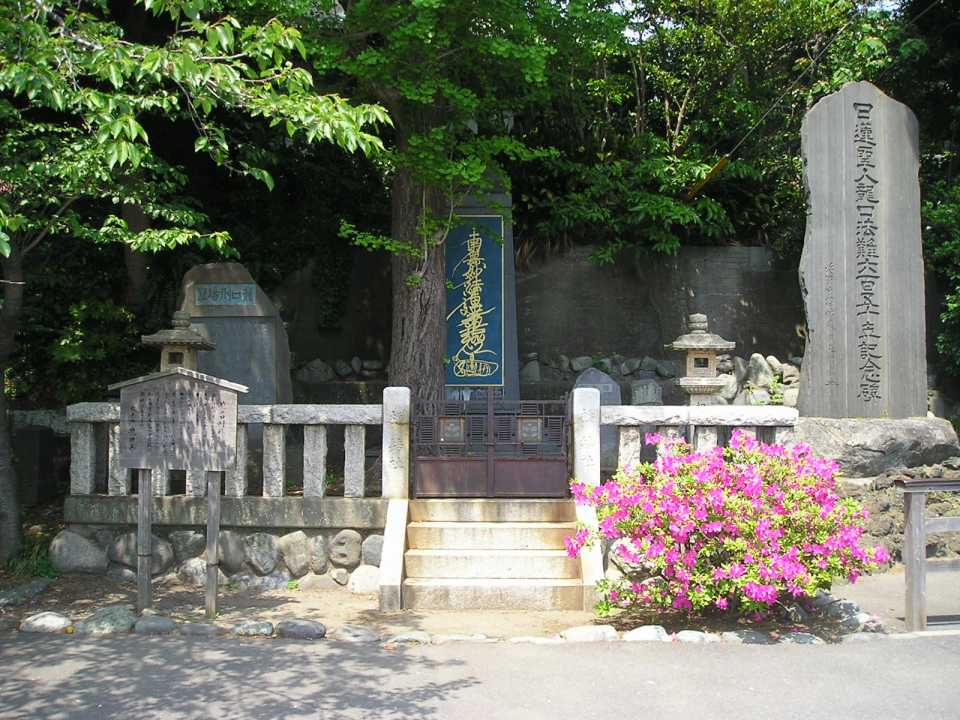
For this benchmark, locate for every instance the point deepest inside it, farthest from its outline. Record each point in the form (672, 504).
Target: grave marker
(861, 271)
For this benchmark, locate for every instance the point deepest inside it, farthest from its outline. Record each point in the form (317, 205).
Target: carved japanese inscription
(862, 265)
(178, 422)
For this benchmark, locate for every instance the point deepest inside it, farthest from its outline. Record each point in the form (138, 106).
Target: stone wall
(571, 306)
(263, 543)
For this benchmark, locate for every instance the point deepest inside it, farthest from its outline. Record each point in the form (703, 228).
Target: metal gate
(490, 448)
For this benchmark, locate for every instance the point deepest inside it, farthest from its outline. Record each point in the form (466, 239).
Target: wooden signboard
(182, 420)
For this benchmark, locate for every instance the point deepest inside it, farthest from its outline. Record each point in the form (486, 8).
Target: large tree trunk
(10, 530)
(417, 343)
(135, 292)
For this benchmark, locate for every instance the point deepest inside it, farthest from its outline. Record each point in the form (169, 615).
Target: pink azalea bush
(742, 528)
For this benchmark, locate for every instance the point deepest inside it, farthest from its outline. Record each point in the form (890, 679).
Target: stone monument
(609, 395)
(482, 299)
(861, 271)
(225, 304)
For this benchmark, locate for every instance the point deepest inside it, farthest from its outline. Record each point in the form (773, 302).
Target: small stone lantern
(179, 345)
(701, 381)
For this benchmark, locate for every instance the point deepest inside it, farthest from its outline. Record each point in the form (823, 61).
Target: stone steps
(481, 510)
(491, 554)
(489, 535)
(486, 563)
(492, 594)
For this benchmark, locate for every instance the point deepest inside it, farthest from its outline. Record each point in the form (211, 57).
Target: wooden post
(213, 535)
(915, 560)
(144, 532)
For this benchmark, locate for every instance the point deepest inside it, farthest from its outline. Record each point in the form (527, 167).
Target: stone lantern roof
(698, 338)
(180, 334)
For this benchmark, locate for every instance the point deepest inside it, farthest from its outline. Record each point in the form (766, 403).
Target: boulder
(73, 553)
(123, 551)
(666, 369)
(262, 552)
(301, 629)
(356, 364)
(364, 580)
(315, 372)
(49, 622)
(355, 634)
(340, 576)
(740, 369)
(563, 363)
(193, 572)
(279, 579)
(230, 552)
(647, 633)
(631, 365)
(344, 549)
(154, 625)
(121, 574)
(371, 550)
(19, 594)
(187, 544)
(774, 364)
(295, 550)
(342, 369)
(759, 373)
(318, 582)
(790, 396)
(318, 555)
(870, 447)
(108, 620)
(648, 363)
(730, 388)
(590, 633)
(200, 629)
(253, 628)
(581, 363)
(530, 372)
(790, 374)
(752, 396)
(696, 636)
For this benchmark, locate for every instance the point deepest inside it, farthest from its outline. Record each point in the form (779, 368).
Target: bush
(737, 528)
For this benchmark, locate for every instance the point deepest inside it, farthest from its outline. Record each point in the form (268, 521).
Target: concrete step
(487, 594)
(446, 563)
(491, 535)
(484, 510)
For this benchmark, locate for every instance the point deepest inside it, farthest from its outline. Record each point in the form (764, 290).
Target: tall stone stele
(861, 272)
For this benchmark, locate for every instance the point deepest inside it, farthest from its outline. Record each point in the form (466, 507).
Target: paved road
(172, 677)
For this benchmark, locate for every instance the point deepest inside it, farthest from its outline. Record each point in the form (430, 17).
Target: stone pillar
(274, 460)
(354, 456)
(631, 445)
(118, 479)
(196, 484)
(314, 460)
(83, 459)
(586, 469)
(396, 442)
(705, 437)
(235, 484)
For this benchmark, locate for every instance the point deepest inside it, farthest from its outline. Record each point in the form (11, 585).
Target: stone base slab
(245, 512)
(865, 447)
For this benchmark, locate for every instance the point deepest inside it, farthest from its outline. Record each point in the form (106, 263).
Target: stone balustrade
(393, 416)
(704, 426)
